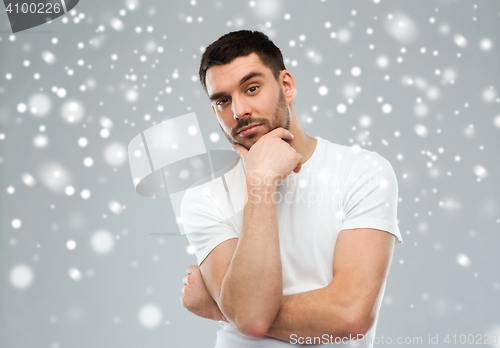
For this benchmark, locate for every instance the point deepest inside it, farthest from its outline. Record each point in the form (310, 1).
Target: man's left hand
(196, 298)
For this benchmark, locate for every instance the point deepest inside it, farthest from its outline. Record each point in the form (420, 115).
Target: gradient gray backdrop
(433, 64)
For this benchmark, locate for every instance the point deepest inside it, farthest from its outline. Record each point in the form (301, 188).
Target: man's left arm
(362, 258)
(348, 305)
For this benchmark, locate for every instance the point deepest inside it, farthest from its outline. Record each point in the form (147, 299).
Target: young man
(307, 257)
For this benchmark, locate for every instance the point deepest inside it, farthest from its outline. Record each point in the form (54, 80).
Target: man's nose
(240, 108)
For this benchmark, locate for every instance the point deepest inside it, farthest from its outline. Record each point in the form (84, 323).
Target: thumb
(299, 165)
(242, 151)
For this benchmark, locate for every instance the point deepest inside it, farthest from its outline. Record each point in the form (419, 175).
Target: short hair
(240, 44)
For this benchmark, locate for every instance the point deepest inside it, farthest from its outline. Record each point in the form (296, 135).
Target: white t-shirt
(339, 187)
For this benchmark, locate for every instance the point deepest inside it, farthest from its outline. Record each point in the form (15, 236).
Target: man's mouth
(248, 127)
(249, 130)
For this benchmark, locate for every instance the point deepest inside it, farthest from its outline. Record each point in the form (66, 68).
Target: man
(307, 258)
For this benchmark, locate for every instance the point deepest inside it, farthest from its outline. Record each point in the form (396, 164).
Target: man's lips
(248, 127)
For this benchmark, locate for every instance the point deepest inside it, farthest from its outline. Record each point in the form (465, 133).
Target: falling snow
(405, 80)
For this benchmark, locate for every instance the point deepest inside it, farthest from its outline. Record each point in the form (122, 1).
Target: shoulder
(348, 156)
(213, 185)
(352, 161)
(357, 161)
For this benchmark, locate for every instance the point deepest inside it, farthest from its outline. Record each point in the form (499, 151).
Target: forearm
(308, 314)
(253, 285)
(311, 314)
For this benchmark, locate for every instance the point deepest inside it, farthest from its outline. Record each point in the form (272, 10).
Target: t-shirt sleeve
(370, 195)
(204, 225)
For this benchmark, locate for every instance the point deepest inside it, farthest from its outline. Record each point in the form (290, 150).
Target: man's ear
(288, 86)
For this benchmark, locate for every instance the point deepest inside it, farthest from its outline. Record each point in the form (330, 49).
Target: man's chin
(246, 142)
(249, 140)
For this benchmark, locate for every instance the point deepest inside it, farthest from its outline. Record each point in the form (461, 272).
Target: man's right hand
(271, 158)
(245, 277)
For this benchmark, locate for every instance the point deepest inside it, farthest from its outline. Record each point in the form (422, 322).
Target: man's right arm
(244, 275)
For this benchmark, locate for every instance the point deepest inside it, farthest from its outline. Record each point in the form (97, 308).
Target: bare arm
(247, 284)
(308, 314)
(253, 284)
(347, 307)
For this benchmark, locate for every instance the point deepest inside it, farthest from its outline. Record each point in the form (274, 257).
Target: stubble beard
(281, 119)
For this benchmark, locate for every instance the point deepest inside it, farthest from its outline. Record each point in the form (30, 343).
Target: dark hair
(240, 44)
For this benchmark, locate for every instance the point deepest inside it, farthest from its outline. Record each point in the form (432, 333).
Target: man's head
(239, 44)
(244, 75)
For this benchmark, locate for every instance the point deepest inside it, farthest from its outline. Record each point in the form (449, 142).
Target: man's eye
(221, 101)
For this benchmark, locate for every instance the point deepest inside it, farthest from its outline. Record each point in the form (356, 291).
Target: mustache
(247, 122)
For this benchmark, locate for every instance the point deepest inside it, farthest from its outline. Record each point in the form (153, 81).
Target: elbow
(245, 324)
(254, 330)
(358, 326)
(254, 324)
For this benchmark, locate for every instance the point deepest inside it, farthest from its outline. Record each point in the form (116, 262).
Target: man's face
(239, 101)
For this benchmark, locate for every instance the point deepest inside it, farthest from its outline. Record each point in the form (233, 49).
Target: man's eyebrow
(242, 81)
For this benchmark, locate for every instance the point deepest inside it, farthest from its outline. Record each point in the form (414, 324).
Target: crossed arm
(242, 279)
(347, 307)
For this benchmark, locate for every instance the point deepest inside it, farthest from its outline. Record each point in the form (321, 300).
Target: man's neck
(303, 144)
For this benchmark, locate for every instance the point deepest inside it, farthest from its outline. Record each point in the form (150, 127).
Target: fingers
(289, 145)
(299, 158)
(242, 151)
(299, 165)
(297, 169)
(191, 269)
(281, 133)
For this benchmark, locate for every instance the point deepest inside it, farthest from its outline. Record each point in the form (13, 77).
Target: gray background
(445, 277)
